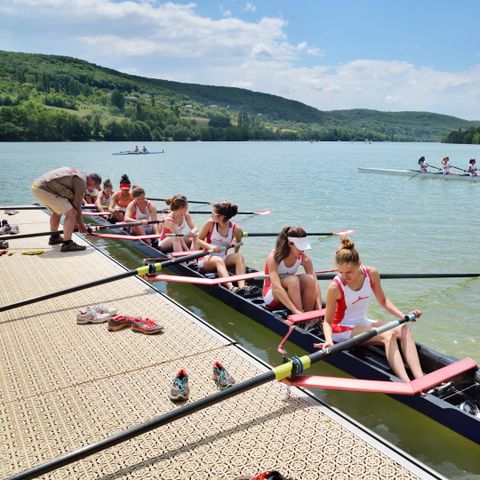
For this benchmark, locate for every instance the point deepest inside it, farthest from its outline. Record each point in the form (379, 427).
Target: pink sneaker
(146, 326)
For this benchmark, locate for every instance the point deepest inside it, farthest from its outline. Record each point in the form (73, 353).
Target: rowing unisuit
(351, 310)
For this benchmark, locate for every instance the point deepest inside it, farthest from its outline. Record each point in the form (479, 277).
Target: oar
(261, 234)
(198, 202)
(143, 270)
(200, 212)
(38, 207)
(89, 230)
(294, 366)
(390, 276)
(458, 168)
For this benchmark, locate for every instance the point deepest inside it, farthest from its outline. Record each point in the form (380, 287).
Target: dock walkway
(65, 385)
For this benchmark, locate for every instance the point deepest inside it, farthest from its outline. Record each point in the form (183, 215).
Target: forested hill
(47, 97)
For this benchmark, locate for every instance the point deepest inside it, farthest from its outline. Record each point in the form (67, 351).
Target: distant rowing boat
(410, 172)
(137, 153)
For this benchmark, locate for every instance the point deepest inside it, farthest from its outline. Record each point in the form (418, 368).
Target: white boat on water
(417, 174)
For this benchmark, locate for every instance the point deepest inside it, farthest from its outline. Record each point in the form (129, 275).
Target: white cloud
(172, 41)
(249, 7)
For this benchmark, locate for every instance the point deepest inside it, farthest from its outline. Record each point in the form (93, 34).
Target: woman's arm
(191, 224)
(113, 201)
(154, 218)
(237, 235)
(201, 243)
(129, 212)
(333, 295)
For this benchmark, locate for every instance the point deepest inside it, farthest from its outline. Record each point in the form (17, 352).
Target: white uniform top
(218, 240)
(282, 270)
(351, 310)
(139, 215)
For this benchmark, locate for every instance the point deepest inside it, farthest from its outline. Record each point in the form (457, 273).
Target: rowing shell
(448, 405)
(410, 173)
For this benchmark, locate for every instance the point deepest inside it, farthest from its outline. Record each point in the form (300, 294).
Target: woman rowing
(120, 200)
(446, 166)
(422, 165)
(217, 233)
(142, 210)
(103, 198)
(472, 168)
(284, 288)
(175, 223)
(346, 311)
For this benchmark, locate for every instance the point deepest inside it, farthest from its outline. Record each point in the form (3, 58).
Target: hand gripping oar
(90, 229)
(295, 366)
(144, 270)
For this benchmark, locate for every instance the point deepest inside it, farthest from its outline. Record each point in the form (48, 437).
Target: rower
(142, 210)
(445, 163)
(298, 293)
(175, 223)
(472, 168)
(422, 165)
(103, 198)
(120, 200)
(217, 233)
(347, 307)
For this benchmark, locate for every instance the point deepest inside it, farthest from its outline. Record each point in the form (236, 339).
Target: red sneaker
(119, 322)
(146, 326)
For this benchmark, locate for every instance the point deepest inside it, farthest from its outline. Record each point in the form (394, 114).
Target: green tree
(118, 100)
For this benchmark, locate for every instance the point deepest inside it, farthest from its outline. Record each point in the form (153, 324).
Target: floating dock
(64, 386)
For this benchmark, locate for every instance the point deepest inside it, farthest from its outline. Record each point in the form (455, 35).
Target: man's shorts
(55, 203)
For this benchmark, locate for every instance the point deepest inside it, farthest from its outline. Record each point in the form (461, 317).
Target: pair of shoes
(3, 244)
(72, 247)
(137, 324)
(14, 229)
(95, 314)
(180, 389)
(55, 239)
(221, 377)
(11, 212)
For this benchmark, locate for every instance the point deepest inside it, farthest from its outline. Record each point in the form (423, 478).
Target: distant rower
(422, 165)
(472, 168)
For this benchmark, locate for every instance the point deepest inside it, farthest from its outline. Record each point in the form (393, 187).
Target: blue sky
(388, 55)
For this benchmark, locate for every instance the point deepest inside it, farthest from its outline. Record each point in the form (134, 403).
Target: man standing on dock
(62, 191)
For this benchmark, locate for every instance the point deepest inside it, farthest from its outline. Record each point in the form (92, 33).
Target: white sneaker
(89, 315)
(100, 308)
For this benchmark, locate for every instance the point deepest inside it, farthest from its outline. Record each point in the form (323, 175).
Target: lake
(402, 225)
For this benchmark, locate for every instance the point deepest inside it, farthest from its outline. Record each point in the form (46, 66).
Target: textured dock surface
(65, 385)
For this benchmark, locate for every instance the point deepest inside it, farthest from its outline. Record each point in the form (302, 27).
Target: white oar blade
(345, 232)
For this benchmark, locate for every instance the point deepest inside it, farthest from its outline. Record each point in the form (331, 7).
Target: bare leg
(292, 285)
(310, 290)
(410, 351)
(389, 340)
(216, 263)
(236, 260)
(69, 224)
(54, 222)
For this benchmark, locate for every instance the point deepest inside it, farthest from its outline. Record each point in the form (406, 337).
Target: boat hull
(361, 362)
(417, 174)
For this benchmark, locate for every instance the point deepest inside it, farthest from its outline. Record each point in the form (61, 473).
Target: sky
(389, 55)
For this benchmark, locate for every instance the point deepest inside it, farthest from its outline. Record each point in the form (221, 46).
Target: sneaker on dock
(55, 239)
(89, 315)
(71, 246)
(221, 377)
(146, 326)
(119, 322)
(180, 389)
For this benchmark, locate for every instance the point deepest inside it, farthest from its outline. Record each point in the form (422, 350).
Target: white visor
(301, 243)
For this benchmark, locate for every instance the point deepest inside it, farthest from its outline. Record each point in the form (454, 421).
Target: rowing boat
(455, 405)
(410, 172)
(137, 153)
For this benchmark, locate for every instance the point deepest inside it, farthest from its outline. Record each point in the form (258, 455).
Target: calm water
(402, 225)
